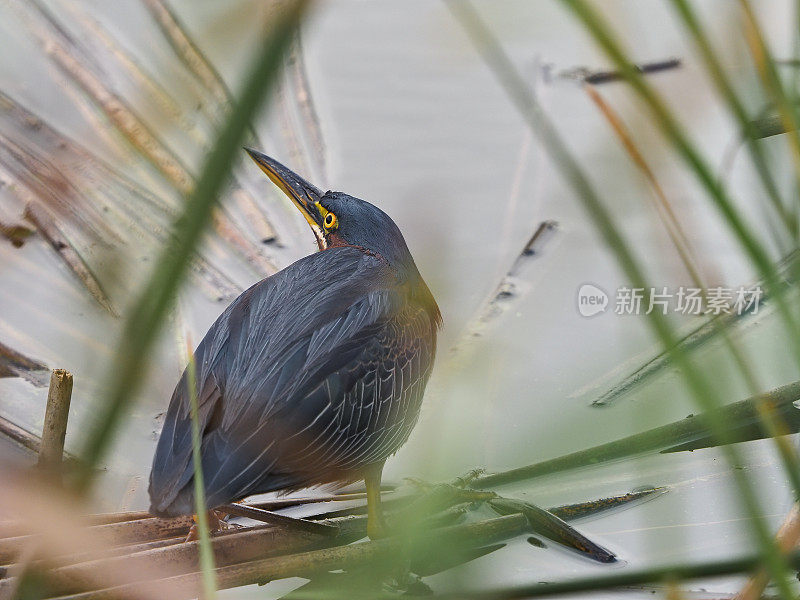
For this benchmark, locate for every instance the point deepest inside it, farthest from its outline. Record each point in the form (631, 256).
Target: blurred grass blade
(765, 66)
(673, 228)
(200, 507)
(622, 579)
(703, 394)
(144, 320)
(750, 128)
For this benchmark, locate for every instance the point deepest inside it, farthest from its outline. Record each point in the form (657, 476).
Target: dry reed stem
(91, 175)
(47, 228)
(16, 364)
(23, 438)
(188, 52)
(308, 112)
(306, 564)
(58, 47)
(143, 80)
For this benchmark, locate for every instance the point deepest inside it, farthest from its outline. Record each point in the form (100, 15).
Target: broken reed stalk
(741, 418)
(547, 524)
(47, 226)
(16, 364)
(54, 431)
(20, 436)
(601, 77)
(510, 287)
(178, 559)
(298, 77)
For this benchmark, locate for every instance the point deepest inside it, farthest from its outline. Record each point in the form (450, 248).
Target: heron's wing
(347, 395)
(173, 454)
(254, 355)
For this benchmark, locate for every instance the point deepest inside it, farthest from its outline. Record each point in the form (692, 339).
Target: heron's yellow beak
(303, 194)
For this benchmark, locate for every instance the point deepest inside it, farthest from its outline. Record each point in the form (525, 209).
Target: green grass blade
(201, 508)
(144, 319)
(703, 394)
(765, 65)
(737, 109)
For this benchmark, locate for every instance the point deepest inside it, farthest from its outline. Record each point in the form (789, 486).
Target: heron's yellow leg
(376, 526)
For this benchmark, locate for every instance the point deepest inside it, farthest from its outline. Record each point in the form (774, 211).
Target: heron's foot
(459, 483)
(216, 523)
(407, 583)
(467, 478)
(420, 485)
(456, 489)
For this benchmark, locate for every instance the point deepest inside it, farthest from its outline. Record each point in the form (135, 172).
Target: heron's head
(338, 219)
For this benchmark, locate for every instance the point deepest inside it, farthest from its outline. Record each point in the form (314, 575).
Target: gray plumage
(306, 378)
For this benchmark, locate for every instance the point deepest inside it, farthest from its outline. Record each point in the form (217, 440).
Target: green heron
(312, 376)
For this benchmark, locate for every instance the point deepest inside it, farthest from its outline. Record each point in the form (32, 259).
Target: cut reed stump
(51, 452)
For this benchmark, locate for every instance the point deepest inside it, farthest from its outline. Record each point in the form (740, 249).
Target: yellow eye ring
(330, 221)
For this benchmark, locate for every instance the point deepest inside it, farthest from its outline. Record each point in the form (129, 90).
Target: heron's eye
(330, 221)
